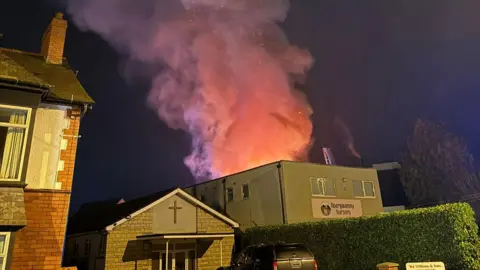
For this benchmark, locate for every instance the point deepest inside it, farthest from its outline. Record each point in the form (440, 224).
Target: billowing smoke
(228, 77)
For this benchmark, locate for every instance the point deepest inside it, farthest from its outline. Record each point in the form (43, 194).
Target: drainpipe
(224, 195)
(279, 166)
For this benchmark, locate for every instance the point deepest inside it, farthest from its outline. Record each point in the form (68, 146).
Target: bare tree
(437, 167)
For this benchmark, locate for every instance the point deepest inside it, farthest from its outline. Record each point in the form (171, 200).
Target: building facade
(41, 103)
(166, 230)
(393, 192)
(288, 192)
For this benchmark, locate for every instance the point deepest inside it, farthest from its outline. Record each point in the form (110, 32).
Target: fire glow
(228, 81)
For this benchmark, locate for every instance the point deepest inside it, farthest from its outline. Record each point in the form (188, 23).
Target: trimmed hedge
(446, 233)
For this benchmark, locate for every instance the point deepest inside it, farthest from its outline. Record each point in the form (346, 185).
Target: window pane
(3, 238)
(2, 261)
(13, 116)
(329, 187)
(368, 186)
(245, 191)
(229, 194)
(357, 188)
(316, 186)
(11, 146)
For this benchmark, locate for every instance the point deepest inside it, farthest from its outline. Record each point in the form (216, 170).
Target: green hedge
(446, 233)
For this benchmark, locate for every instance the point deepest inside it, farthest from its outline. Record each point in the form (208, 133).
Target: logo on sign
(326, 209)
(336, 208)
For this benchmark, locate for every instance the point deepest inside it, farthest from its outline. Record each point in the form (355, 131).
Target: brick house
(41, 103)
(165, 230)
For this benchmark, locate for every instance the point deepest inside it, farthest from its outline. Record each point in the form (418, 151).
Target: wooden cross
(175, 208)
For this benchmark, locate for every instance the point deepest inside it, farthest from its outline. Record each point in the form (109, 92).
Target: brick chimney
(54, 40)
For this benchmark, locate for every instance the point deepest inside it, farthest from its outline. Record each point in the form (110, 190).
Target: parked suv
(275, 257)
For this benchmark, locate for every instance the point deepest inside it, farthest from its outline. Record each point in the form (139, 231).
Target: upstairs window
(365, 189)
(13, 132)
(322, 186)
(229, 194)
(245, 191)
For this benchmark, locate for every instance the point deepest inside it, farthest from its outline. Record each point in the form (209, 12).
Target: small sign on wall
(426, 266)
(334, 208)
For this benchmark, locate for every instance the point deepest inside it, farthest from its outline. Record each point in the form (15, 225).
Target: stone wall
(12, 207)
(124, 251)
(210, 259)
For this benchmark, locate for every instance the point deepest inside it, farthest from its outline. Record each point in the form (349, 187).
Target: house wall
(40, 244)
(298, 192)
(47, 142)
(83, 257)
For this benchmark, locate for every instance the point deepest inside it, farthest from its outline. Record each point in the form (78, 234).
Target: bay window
(13, 133)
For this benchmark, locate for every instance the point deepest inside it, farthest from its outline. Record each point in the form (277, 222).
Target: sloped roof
(31, 68)
(96, 216)
(108, 214)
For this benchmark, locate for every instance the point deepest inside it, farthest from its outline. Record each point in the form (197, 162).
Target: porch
(188, 251)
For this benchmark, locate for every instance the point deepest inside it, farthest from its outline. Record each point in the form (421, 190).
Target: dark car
(275, 257)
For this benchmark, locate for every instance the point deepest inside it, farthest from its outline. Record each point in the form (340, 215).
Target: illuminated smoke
(228, 77)
(348, 137)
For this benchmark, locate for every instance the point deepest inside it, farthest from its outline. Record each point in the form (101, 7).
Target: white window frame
(243, 194)
(363, 189)
(5, 249)
(25, 137)
(323, 186)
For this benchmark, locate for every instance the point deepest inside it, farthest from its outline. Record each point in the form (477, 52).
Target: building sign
(425, 266)
(333, 208)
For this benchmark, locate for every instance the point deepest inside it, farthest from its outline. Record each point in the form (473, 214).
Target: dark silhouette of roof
(391, 188)
(31, 68)
(96, 216)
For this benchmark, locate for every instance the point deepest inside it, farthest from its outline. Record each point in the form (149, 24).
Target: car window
(264, 254)
(293, 250)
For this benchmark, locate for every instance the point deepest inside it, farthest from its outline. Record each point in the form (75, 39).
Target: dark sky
(379, 65)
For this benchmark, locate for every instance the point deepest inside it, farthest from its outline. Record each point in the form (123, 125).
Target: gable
(174, 215)
(164, 219)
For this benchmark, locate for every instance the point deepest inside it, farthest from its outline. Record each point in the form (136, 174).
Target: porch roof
(185, 236)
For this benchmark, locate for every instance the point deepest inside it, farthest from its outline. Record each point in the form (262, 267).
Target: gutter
(16, 81)
(44, 88)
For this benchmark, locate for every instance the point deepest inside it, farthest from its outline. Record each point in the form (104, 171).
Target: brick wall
(40, 244)
(124, 251)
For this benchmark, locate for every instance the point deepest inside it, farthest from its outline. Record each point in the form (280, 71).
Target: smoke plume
(349, 142)
(228, 77)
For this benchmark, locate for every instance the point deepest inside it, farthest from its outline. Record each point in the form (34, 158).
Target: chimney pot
(59, 15)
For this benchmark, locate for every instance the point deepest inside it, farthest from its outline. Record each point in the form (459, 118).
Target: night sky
(379, 65)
